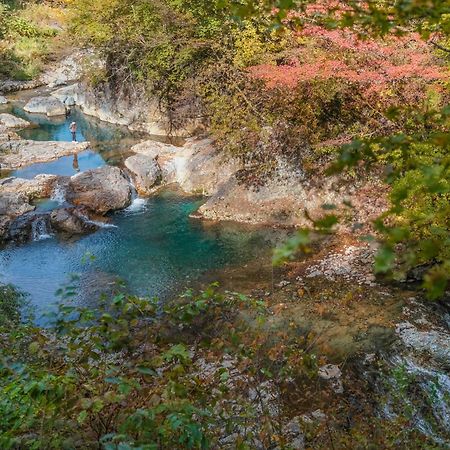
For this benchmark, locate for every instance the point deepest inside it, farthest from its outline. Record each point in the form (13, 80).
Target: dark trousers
(74, 135)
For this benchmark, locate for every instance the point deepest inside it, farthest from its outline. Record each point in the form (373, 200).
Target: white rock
(3, 100)
(10, 121)
(45, 105)
(145, 172)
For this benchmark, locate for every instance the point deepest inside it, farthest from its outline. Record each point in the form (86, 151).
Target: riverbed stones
(46, 105)
(145, 172)
(10, 121)
(16, 152)
(100, 190)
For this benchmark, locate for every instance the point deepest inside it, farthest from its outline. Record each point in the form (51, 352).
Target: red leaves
(374, 64)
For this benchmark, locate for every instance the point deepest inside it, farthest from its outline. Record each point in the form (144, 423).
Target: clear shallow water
(109, 143)
(155, 250)
(153, 245)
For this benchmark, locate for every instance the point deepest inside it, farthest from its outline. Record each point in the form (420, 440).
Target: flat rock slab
(46, 105)
(10, 121)
(100, 190)
(18, 153)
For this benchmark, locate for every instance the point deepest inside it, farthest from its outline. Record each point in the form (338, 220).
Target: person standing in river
(73, 130)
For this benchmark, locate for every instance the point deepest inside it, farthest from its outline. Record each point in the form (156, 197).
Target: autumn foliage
(341, 54)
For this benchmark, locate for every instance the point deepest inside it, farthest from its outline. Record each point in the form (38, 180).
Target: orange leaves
(337, 54)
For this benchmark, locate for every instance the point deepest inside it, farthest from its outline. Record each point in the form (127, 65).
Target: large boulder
(196, 166)
(16, 152)
(145, 171)
(46, 105)
(68, 94)
(100, 190)
(10, 121)
(71, 221)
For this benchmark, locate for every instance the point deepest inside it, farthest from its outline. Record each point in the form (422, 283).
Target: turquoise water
(155, 250)
(108, 143)
(153, 246)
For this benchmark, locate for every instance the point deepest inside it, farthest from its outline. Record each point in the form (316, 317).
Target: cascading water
(59, 194)
(39, 229)
(138, 204)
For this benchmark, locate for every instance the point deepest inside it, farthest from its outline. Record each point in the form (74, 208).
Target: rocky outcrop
(3, 100)
(16, 152)
(16, 196)
(197, 167)
(10, 121)
(71, 221)
(132, 109)
(145, 171)
(100, 190)
(13, 85)
(67, 70)
(45, 105)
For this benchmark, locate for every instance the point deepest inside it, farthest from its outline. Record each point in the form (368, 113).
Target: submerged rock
(10, 121)
(45, 105)
(145, 172)
(16, 153)
(100, 190)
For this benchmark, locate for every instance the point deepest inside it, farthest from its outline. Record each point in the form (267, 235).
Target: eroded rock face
(45, 105)
(71, 221)
(16, 152)
(145, 172)
(68, 69)
(10, 121)
(279, 201)
(100, 190)
(197, 167)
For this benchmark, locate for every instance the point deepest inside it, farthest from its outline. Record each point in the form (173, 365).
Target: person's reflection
(75, 164)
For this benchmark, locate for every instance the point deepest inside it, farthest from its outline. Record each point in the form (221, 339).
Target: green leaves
(177, 352)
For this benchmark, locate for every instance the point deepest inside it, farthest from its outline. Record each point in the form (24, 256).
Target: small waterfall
(59, 194)
(138, 204)
(39, 229)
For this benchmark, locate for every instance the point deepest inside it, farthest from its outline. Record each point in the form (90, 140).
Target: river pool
(153, 246)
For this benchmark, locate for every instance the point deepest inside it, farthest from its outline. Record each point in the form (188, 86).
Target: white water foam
(39, 230)
(137, 205)
(59, 194)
